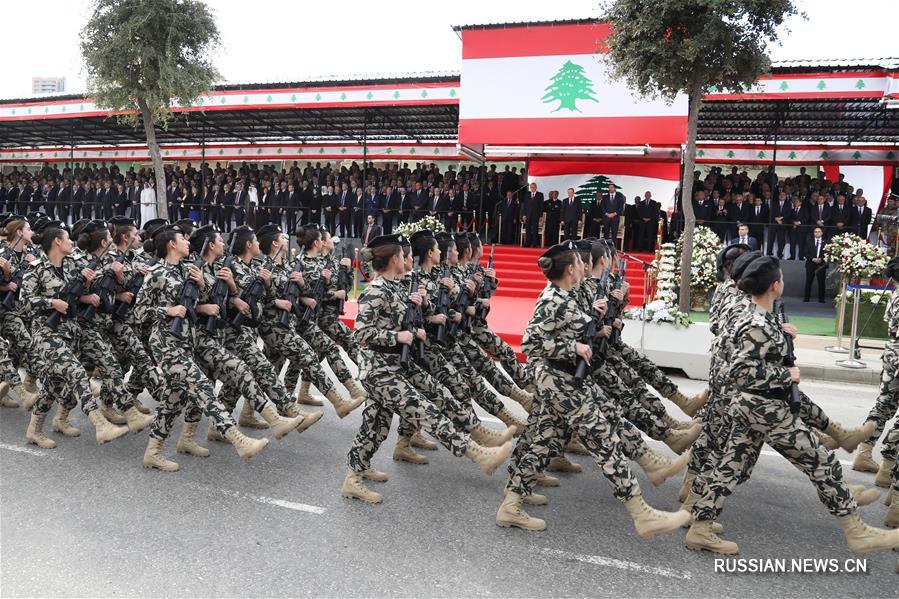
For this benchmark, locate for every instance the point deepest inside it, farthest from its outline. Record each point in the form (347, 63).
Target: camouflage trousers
(324, 349)
(647, 372)
(475, 386)
(888, 399)
(755, 421)
(21, 345)
(329, 322)
(64, 379)
(243, 344)
(561, 405)
(632, 380)
(184, 383)
(8, 372)
(284, 343)
(131, 354)
(482, 363)
(389, 393)
(434, 379)
(218, 364)
(491, 343)
(890, 447)
(630, 398)
(94, 349)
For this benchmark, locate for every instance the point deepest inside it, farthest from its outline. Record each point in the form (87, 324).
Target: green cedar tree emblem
(821, 85)
(860, 84)
(396, 95)
(369, 95)
(452, 93)
(586, 193)
(792, 156)
(731, 154)
(784, 86)
(389, 151)
(856, 155)
(568, 86)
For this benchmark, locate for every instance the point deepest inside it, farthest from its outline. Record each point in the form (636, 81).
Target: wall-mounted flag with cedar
(568, 86)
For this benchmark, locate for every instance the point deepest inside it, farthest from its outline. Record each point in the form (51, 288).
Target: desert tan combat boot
(563, 464)
(111, 414)
(884, 475)
(488, 458)
(862, 495)
(679, 441)
(687, 506)
(248, 418)
(27, 396)
(658, 468)
(342, 406)
(62, 425)
(825, 439)
(702, 537)
(864, 461)
(535, 499)
(418, 440)
(153, 457)
(309, 418)
(864, 539)
(546, 480)
(105, 430)
(305, 397)
(188, 445)
(281, 427)
(141, 407)
(491, 437)
(374, 475)
(686, 486)
(510, 513)
(525, 399)
(676, 424)
(576, 447)
(510, 419)
(403, 452)
(690, 405)
(30, 384)
(246, 447)
(137, 421)
(5, 400)
(354, 488)
(849, 439)
(212, 434)
(355, 389)
(35, 433)
(650, 522)
(892, 517)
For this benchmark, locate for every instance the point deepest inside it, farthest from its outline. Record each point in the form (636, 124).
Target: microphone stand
(646, 266)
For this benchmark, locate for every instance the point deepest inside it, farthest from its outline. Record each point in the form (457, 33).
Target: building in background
(48, 85)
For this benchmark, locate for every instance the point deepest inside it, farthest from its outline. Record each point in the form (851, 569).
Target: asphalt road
(83, 520)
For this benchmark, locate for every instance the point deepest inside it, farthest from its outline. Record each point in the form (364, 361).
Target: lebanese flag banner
(589, 177)
(548, 85)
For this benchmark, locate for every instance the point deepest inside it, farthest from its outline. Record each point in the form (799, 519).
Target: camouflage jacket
(759, 347)
(244, 275)
(16, 260)
(891, 317)
(558, 323)
(382, 307)
(44, 282)
(160, 291)
(281, 272)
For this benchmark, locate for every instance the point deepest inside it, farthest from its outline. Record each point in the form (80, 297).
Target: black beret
(761, 269)
(269, 230)
(154, 223)
(121, 221)
(420, 234)
(892, 267)
(444, 237)
(187, 225)
(559, 249)
(33, 217)
(78, 226)
(241, 231)
(94, 226)
(46, 223)
(166, 228)
(396, 239)
(9, 217)
(584, 245)
(199, 236)
(742, 262)
(727, 252)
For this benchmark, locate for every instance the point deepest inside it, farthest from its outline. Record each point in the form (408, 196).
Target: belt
(561, 365)
(384, 349)
(776, 394)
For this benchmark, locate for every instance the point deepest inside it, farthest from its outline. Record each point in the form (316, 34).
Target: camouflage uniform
(184, 382)
(329, 318)
(14, 327)
(760, 415)
(563, 404)
(888, 399)
(64, 378)
(381, 309)
(8, 371)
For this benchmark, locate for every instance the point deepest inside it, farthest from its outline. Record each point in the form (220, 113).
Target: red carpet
(520, 283)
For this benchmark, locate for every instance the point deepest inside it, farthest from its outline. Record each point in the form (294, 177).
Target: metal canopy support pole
(364, 181)
(481, 212)
(203, 209)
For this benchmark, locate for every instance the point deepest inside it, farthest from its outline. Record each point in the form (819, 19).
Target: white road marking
(774, 453)
(27, 450)
(598, 560)
(290, 505)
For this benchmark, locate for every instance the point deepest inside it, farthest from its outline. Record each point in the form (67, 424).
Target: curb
(838, 374)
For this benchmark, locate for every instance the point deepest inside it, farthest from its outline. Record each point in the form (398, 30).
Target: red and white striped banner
(548, 84)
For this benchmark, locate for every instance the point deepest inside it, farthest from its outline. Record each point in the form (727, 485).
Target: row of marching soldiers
(595, 395)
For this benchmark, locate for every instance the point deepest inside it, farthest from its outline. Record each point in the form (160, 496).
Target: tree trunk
(162, 208)
(695, 100)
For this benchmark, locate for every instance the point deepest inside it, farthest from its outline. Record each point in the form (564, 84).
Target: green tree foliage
(670, 47)
(143, 57)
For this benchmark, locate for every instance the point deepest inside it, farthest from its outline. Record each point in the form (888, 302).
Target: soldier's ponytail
(554, 268)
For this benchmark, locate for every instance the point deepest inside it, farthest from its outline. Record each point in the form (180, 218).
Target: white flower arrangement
(869, 296)
(704, 270)
(855, 257)
(427, 223)
(664, 307)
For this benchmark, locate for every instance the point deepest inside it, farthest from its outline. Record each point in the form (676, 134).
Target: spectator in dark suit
(758, 218)
(343, 205)
(781, 214)
(315, 206)
(419, 202)
(815, 266)
(798, 233)
(371, 230)
(819, 214)
(738, 211)
(466, 205)
(702, 208)
(552, 207)
(109, 199)
(862, 216)
(744, 237)
(571, 214)
(403, 205)
(64, 200)
(241, 199)
(842, 216)
(507, 218)
(531, 211)
(612, 207)
(391, 205)
(329, 208)
(358, 209)
(291, 201)
(373, 203)
(307, 198)
(647, 224)
(719, 220)
(77, 200)
(173, 197)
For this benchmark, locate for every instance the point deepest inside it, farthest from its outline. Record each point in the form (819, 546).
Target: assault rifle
(74, 289)
(410, 319)
(122, 309)
(188, 297)
(789, 360)
(317, 290)
(487, 289)
(17, 276)
(253, 293)
(462, 302)
(292, 292)
(219, 293)
(443, 298)
(612, 314)
(105, 288)
(589, 337)
(344, 281)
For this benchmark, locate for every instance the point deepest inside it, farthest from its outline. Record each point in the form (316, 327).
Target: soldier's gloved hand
(340, 294)
(59, 305)
(297, 278)
(604, 331)
(583, 350)
(437, 319)
(241, 306)
(404, 338)
(601, 306)
(306, 301)
(790, 329)
(794, 373)
(283, 304)
(208, 309)
(177, 311)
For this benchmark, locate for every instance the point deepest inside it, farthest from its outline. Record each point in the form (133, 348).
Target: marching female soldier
(382, 334)
(64, 378)
(160, 301)
(762, 414)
